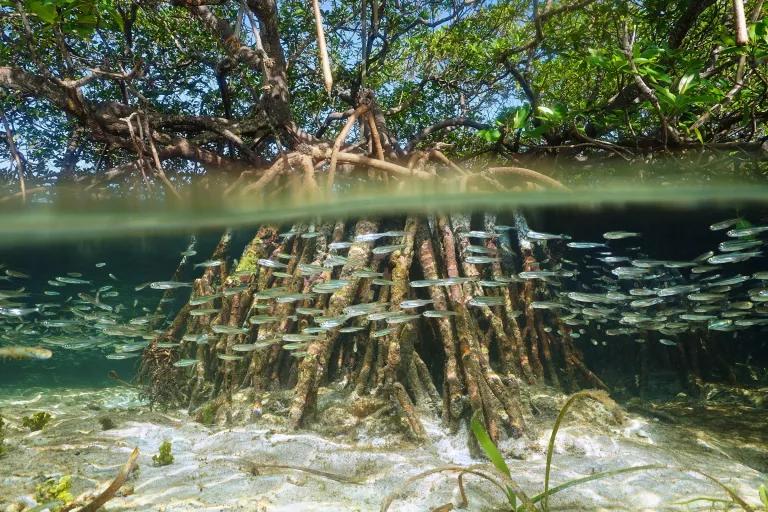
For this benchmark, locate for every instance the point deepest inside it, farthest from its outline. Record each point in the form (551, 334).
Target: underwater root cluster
(465, 359)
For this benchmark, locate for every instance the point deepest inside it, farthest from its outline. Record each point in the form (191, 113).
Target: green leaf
(487, 444)
(492, 452)
(763, 496)
(520, 117)
(685, 82)
(490, 135)
(698, 136)
(666, 94)
(43, 10)
(546, 111)
(117, 19)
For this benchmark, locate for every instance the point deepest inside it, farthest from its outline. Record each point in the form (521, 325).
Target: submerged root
(463, 359)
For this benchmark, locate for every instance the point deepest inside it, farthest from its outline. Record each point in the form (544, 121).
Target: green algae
(36, 421)
(249, 261)
(106, 423)
(164, 457)
(53, 490)
(206, 415)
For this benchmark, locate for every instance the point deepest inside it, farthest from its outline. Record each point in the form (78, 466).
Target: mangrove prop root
(485, 353)
(340, 140)
(312, 366)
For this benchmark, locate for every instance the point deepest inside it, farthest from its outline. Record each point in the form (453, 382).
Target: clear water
(53, 239)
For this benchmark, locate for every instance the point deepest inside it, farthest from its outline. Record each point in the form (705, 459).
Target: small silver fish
(618, 235)
(209, 263)
(169, 285)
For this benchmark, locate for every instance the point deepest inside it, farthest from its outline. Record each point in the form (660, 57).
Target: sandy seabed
(210, 471)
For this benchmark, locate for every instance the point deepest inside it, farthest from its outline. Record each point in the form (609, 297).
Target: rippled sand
(209, 473)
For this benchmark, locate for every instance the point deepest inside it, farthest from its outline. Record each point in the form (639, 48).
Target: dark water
(131, 259)
(677, 233)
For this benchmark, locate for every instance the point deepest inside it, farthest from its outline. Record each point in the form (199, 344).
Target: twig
(375, 136)
(137, 144)
(340, 139)
(441, 156)
(272, 172)
(255, 468)
(739, 82)
(158, 165)
(110, 491)
(257, 38)
(16, 156)
(354, 158)
(471, 470)
(309, 173)
(334, 116)
(741, 23)
(642, 86)
(29, 191)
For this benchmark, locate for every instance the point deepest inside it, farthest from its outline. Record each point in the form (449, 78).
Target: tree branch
(226, 34)
(442, 125)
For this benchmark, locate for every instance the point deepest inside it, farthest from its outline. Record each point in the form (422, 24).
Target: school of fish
(601, 290)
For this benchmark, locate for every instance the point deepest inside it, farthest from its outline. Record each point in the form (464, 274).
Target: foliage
(53, 490)
(492, 452)
(164, 457)
(763, 491)
(503, 78)
(36, 421)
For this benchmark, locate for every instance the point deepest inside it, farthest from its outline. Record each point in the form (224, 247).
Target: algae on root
(53, 490)
(206, 415)
(164, 456)
(2, 437)
(36, 421)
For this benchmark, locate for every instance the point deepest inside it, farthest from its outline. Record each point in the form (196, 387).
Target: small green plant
(106, 423)
(763, 492)
(55, 491)
(164, 456)
(36, 421)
